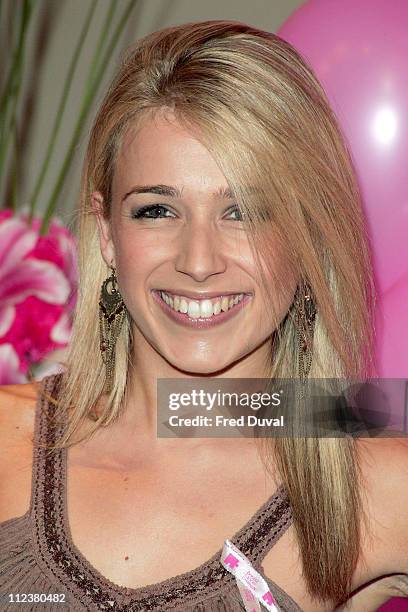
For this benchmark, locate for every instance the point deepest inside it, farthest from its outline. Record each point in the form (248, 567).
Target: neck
(141, 405)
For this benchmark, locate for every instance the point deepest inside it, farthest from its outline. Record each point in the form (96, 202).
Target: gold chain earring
(305, 310)
(112, 311)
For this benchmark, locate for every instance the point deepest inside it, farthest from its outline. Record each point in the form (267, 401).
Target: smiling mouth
(201, 312)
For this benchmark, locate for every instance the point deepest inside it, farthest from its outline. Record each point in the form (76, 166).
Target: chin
(197, 368)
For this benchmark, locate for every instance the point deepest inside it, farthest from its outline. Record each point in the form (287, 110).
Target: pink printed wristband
(251, 585)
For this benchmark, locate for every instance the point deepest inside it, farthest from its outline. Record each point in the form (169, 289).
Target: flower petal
(35, 277)
(16, 241)
(52, 364)
(7, 314)
(9, 366)
(61, 332)
(68, 250)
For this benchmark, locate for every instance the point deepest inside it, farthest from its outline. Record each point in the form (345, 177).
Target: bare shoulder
(17, 416)
(17, 404)
(384, 462)
(384, 574)
(384, 468)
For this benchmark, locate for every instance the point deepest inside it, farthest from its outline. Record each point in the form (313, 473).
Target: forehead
(161, 150)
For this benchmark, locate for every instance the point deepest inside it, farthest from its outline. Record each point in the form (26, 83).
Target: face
(183, 260)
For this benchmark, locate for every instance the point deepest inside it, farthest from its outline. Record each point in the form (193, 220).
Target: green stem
(14, 173)
(10, 76)
(86, 105)
(13, 92)
(61, 109)
(82, 115)
(101, 41)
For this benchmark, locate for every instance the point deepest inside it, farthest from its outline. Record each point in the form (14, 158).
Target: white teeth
(200, 308)
(194, 310)
(183, 306)
(224, 304)
(206, 308)
(217, 308)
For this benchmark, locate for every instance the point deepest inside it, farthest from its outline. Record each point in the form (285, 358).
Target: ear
(105, 233)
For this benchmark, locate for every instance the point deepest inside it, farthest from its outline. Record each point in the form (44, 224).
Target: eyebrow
(173, 192)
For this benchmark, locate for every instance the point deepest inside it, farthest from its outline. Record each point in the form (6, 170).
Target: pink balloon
(358, 50)
(391, 334)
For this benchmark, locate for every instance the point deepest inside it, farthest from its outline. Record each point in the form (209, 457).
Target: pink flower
(38, 276)
(9, 366)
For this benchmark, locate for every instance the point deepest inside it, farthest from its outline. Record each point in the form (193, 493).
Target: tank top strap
(47, 478)
(266, 527)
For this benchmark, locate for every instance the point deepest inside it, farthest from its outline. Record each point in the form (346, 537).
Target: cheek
(137, 254)
(130, 258)
(281, 282)
(133, 246)
(287, 280)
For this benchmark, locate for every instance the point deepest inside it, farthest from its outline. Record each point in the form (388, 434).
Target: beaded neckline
(65, 561)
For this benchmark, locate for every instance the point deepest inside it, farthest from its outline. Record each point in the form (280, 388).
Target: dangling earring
(111, 314)
(305, 312)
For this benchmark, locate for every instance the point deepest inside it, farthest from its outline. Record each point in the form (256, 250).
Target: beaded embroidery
(85, 583)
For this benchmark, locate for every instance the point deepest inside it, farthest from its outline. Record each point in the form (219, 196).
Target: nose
(200, 252)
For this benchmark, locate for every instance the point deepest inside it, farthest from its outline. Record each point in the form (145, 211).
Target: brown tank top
(38, 556)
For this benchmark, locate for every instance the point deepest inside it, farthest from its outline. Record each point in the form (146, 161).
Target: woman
(215, 168)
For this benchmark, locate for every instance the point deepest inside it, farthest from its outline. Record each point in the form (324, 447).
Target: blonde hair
(260, 111)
